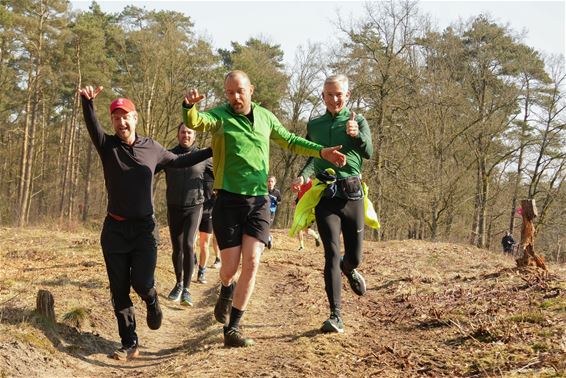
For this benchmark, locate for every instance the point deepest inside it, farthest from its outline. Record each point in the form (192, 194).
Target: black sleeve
(95, 131)
(186, 160)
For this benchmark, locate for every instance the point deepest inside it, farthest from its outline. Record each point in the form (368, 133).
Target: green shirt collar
(344, 112)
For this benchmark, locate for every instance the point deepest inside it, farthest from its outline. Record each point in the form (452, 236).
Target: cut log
(528, 233)
(45, 305)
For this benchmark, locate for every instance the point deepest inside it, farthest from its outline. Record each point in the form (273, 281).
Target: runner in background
(185, 198)
(274, 201)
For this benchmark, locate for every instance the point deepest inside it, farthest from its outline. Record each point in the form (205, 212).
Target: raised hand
(192, 97)
(333, 155)
(89, 92)
(352, 128)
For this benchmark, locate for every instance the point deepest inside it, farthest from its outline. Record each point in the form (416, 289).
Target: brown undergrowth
(431, 309)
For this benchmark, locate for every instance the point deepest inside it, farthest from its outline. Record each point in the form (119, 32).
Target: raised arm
(192, 118)
(96, 132)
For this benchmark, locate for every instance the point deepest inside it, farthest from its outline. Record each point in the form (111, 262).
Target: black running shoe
(222, 308)
(317, 242)
(175, 294)
(233, 338)
(154, 314)
(355, 279)
(186, 299)
(270, 242)
(333, 325)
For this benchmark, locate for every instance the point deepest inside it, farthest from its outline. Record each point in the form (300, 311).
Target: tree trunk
(528, 233)
(45, 305)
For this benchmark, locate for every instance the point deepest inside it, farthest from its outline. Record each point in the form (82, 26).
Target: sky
(295, 23)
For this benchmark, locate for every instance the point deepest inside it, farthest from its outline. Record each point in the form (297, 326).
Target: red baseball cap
(122, 103)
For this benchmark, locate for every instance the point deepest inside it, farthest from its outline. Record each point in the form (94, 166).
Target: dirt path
(431, 309)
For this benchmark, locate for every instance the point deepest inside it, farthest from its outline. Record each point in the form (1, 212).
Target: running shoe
(126, 353)
(175, 294)
(355, 279)
(222, 308)
(201, 278)
(300, 248)
(270, 242)
(333, 324)
(154, 314)
(317, 242)
(186, 299)
(233, 338)
(216, 264)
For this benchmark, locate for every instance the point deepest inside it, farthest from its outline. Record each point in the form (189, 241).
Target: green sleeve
(364, 137)
(292, 142)
(200, 121)
(308, 170)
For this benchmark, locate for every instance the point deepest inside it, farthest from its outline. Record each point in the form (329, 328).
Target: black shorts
(206, 220)
(235, 215)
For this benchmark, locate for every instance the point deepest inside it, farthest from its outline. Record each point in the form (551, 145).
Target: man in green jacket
(241, 131)
(341, 210)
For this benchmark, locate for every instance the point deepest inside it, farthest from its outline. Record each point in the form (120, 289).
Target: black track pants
(335, 216)
(130, 254)
(183, 225)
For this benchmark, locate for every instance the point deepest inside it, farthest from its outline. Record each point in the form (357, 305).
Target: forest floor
(431, 309)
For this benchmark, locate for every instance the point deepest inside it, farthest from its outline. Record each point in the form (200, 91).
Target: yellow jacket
(304, 211)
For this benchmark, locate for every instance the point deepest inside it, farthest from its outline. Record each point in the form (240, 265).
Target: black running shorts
(206, 220)
(235, 215)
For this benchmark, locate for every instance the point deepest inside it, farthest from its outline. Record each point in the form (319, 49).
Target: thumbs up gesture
(352, 128)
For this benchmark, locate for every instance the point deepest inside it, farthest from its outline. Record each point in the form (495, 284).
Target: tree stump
(45, 305)
(528, 232)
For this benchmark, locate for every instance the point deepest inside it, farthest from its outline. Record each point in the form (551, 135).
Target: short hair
(339, 78)
(234, 73)
(181, 124)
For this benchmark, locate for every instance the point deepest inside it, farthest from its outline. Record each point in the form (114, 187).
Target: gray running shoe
(201, 277)
(126, 353)
(355, 279)
(333, 325)
(175, 294)
(233, 338)
(186, 299)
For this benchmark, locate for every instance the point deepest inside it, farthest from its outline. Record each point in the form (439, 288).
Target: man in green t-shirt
(241, 131)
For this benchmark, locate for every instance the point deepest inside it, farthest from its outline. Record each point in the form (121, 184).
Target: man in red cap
(128, 243)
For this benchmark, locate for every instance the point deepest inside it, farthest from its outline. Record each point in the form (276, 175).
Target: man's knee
(250, 265)
(227, 272)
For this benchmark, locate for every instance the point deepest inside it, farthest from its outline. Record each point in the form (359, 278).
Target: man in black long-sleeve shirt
(128, 243)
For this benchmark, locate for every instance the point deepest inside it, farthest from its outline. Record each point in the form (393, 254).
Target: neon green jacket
(304, 214)
(240, 149)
